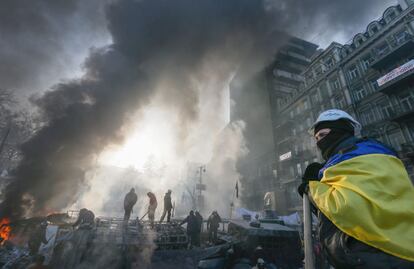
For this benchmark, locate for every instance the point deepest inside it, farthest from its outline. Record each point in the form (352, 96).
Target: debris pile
(15, 257)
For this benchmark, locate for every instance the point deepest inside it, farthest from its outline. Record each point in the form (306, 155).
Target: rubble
(13, 257)
(115, 243)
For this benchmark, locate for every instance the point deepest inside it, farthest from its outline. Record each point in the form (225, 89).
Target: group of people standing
(194, 220)
(131, 199)
(195, 226)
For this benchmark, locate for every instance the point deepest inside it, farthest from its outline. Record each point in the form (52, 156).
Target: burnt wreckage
(114, 243)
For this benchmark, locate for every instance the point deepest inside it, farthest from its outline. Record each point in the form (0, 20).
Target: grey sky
(323, 32)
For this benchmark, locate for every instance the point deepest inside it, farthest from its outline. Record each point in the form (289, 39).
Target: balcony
(399, 49)
(289, 180)
(288, 77)
(304, 154)
(285, 139)
(401, 114)
(408, 150)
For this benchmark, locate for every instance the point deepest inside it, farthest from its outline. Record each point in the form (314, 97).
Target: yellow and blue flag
(368, 195)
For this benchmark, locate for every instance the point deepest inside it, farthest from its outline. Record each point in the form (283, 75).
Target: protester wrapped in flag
(368, 195)
(363, 195)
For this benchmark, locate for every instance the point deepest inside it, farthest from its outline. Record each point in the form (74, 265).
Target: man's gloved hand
(311, 173)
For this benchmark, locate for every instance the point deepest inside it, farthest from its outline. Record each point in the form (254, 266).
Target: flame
(5, 230)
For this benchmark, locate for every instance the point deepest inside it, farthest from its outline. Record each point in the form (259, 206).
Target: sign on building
(396, 73)
(285, 156)
(201, 187)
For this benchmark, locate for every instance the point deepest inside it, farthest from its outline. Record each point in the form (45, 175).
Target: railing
(395, 43)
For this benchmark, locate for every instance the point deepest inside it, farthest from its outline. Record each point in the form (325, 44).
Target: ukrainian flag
(368, 195)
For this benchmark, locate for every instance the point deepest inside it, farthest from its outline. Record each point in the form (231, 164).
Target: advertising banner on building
(396, 73)
(285, 156)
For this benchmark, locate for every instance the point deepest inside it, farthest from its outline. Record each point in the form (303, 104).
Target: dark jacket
(192, 224)
(213, 222)
(167, 201)
(85, 217)
(344, 251)
(199, 221)
(130, 200)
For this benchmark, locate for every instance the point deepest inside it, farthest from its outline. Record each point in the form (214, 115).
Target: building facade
(372, 78)
(255, 97)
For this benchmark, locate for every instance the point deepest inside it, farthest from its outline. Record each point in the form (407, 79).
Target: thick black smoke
(159, 46)
(39, 39)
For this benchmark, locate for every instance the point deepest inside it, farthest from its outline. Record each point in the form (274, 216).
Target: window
(385, 109)
(315, 98)
(335, 84)
(309, 76)
(292, 114)
(366, 61)
(367, 116)
(401, 37)
(294, 131)
(392, 15)
(339, 101)
(292, 171)
(360, 93)
(296, 149)
(374, 85)
(353, 72)
(407, 102)
(323, 89)
(330, 62)
(306, 104)
(308, 122)
(374, 29)
(318, 71)
(396, 139)
(383, 49)
(299, 169)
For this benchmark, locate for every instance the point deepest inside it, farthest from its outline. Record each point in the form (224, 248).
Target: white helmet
(336, 114)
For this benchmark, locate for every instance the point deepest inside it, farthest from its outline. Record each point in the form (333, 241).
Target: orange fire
(5, 230)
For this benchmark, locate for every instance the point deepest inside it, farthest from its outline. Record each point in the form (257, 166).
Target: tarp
(293, 219)
(240, 212)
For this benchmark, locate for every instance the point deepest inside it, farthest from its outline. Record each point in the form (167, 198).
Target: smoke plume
(44, 41)
(158, 46)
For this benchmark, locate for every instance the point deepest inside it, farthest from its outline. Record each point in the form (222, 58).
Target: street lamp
(200, 186)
